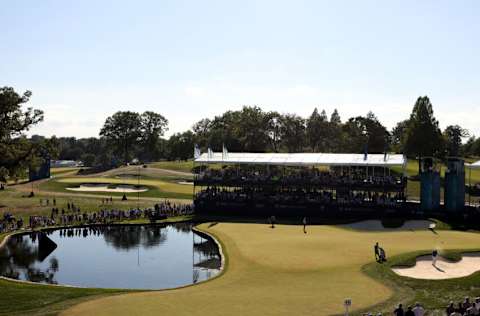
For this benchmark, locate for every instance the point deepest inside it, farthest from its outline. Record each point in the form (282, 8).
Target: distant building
(66, 163)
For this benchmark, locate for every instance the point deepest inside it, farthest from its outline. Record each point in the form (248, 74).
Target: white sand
(122, 188)
(376, 225)
(424, 269)
(185, 183)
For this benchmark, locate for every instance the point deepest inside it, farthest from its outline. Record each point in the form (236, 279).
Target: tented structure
(304, 159)
(475, 165)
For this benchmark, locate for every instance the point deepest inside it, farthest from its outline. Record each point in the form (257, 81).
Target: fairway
(283, 271)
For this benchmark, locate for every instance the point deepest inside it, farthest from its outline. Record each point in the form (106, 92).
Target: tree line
(127, 136)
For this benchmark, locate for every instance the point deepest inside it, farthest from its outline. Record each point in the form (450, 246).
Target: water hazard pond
(133, 257)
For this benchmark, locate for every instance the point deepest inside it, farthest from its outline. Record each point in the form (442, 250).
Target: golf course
(267, 271)
(283, 271)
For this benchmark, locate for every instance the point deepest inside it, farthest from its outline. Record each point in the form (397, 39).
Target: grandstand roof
(304, 159)
(475, 165)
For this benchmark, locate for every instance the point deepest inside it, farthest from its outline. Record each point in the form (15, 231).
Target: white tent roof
(304, 159)
(475, 165)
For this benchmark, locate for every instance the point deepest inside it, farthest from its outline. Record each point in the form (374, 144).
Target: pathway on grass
(283, 271)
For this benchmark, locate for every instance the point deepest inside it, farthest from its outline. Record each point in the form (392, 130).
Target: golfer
(434, 257)
(376, 250)
(304, 221)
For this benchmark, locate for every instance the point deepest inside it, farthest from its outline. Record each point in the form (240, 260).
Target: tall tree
(453, 137)
(317, 130)
(335, 139)
(274, 130)
(15, 149)
(424, 137)
(180, 146)
(292, 130)
(366, 133)
(123, 130)
(153, 126)
(398, 135)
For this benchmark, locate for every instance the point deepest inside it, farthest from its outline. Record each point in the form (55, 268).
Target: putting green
(283, 271)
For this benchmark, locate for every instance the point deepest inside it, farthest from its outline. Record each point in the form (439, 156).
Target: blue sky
(85, 60)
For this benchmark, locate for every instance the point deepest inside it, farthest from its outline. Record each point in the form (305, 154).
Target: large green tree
(366, 133)
(153, 126)
(453, 139)
(16, 151)
(398, 135)
(292, 131)
(423, 137)
(123, 130)
(180, 146)
(317, 131)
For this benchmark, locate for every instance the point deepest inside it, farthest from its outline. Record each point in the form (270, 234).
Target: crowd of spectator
(299, 176)
(301, 196)
(73, 215)
(463, 308)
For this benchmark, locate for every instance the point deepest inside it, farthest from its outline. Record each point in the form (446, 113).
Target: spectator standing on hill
(450, 309)
(399, 311)
(466, 303)
(409, 311)
(460, 310)
(475, 309)
(418, 310)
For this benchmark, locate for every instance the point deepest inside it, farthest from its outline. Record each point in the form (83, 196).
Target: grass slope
(282, 271)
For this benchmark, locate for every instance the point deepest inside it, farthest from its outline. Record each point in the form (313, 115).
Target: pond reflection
(139, 257)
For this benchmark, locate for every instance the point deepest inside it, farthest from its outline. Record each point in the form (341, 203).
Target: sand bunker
(102, 187)
(469, 264)
(185, 182)
(376, 225)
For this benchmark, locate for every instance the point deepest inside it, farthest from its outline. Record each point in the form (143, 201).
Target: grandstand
(310, 182)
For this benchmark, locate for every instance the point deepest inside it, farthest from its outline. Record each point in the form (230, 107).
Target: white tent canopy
(303, 159)
(475, 165)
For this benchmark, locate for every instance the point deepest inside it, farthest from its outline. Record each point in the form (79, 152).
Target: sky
(85, 60)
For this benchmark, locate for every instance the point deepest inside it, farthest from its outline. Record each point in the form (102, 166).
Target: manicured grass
(157, 188)
(283, 271)
(55, 172)
(180, 165)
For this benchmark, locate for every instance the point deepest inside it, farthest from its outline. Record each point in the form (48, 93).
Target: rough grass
(35, 299)
(283, 271)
